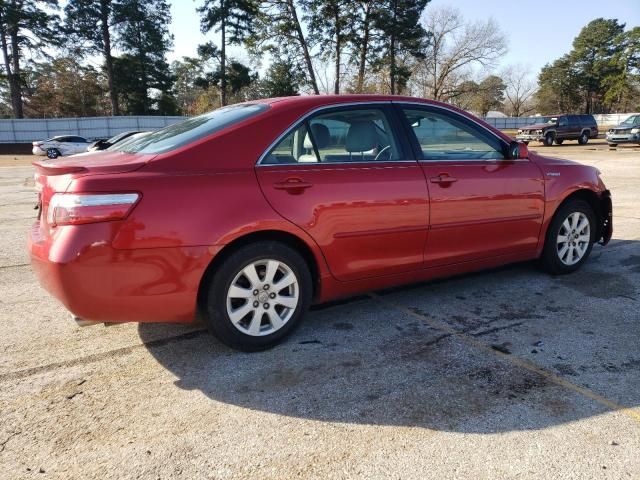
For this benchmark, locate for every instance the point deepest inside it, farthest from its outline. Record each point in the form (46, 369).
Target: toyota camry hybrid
(246, 215)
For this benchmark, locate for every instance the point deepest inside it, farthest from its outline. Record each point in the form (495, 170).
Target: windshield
(632, 120)
(192, 129)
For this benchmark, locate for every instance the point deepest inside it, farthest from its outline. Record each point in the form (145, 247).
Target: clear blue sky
(538, 31)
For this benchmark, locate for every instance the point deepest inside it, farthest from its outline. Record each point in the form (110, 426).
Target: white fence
(28, 130)
(511, 123)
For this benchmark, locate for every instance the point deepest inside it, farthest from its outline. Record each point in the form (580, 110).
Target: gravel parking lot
(502, 374)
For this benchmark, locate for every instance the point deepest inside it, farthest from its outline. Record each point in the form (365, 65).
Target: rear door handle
(293, 185)
(443, 178)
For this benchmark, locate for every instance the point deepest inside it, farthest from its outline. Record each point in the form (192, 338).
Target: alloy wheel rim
(573, 238)
(262, 297)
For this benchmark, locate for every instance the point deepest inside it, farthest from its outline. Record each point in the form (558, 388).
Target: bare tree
(520, 90)
(456, 47)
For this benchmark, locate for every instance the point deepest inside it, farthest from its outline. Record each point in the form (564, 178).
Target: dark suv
(560, 128)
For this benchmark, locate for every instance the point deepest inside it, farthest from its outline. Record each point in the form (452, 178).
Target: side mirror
(518, 150)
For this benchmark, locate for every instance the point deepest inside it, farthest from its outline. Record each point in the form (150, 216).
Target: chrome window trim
(300, 120)
(382, 102)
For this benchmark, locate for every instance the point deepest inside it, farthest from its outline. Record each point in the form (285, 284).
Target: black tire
(583, 138)
(53, 153)
(559, 141)
(613, 145)
(548, 139)
(216, 315)
(550, 259)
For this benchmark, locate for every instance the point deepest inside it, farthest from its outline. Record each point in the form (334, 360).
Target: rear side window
(340, 136)
(192, 129)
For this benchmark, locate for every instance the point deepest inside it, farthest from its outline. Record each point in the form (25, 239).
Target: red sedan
(246, 215)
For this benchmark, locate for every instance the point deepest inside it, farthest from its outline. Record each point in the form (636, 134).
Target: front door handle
(293, 185)
(443, 178)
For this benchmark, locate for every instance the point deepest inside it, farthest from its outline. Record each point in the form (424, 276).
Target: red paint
(367, 226)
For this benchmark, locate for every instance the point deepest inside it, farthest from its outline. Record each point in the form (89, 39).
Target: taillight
(79, 208)
(37, 144)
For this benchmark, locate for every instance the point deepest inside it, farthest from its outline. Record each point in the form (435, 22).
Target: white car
(60, 146)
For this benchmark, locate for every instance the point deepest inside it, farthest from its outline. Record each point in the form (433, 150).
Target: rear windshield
(192, 129)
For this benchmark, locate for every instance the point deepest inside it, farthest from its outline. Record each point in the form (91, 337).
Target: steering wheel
(388, 147)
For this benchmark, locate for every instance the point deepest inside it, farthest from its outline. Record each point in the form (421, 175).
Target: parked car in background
(246, 215)
(123, 144)
(627, 132)
(559, 128)
(104, 144)
(62, 145)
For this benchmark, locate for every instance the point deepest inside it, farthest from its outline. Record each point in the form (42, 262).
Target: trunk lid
(92, 163)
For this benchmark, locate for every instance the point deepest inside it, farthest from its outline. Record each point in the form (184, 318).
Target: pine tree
(399, 22)
(25, 25)
(233, 19)
(143, 34)
(82, 17)
(329, 22)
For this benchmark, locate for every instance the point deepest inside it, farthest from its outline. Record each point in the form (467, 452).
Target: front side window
(192, 129)
(563, 122)
(447, 136)
(341, 136)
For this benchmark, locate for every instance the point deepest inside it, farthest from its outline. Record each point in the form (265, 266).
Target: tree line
(109, 57)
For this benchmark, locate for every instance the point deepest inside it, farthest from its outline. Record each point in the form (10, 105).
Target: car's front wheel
(613, 145)
(548, 139)
(258, 295)
(570, 238)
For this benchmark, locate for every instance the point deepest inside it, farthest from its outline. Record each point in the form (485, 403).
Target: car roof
(310, 102)
(313, 101)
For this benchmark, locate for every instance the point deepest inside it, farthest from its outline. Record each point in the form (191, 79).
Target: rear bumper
(97, 282)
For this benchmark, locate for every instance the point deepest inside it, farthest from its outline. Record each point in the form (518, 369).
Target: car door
(62, 145)
(564, 129)
(575, 128)
(481, 204)
(78, 145)
(345, 176)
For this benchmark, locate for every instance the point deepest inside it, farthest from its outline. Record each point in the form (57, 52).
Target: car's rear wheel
(53, 153)
(559, 141)
(584, 138)
(548, 139)
(258, 295)
(570, 238)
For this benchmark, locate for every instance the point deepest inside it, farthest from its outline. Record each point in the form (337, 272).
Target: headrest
(320, 134)
(361, 137)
